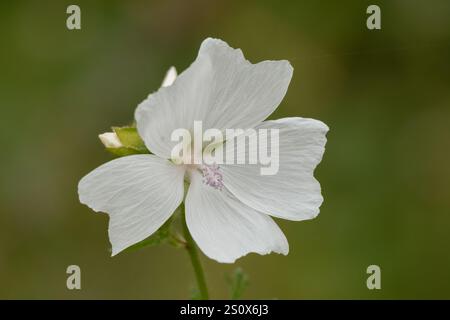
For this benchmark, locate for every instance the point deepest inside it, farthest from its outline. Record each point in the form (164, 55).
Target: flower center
(212, 176)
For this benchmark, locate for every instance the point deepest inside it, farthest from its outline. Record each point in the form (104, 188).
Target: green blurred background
(385, 174)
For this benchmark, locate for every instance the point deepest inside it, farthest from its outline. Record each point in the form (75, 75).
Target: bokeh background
(385, 174)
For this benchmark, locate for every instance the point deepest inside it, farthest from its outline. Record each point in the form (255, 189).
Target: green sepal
(130, 139)
(122, 151)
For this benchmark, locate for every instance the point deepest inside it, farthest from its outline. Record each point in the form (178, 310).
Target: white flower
(228, 208)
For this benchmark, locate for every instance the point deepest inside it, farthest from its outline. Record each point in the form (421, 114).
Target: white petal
(170, 77)
(220, 88)
(225, 229)
(139, 193)
(293, 193)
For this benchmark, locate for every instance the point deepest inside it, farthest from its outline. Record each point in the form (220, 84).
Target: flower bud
(170, 77)
(110, 140)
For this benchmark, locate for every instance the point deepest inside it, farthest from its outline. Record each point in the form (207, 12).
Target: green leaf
(195, 294)
(238, 282)
(130, 139)
(161, 236)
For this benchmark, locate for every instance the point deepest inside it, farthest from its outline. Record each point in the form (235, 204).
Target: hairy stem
(193, 254)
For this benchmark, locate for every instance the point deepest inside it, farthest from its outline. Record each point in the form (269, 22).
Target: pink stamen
(212, 176)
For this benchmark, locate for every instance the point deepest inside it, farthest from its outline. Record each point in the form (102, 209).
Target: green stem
(192, 250)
